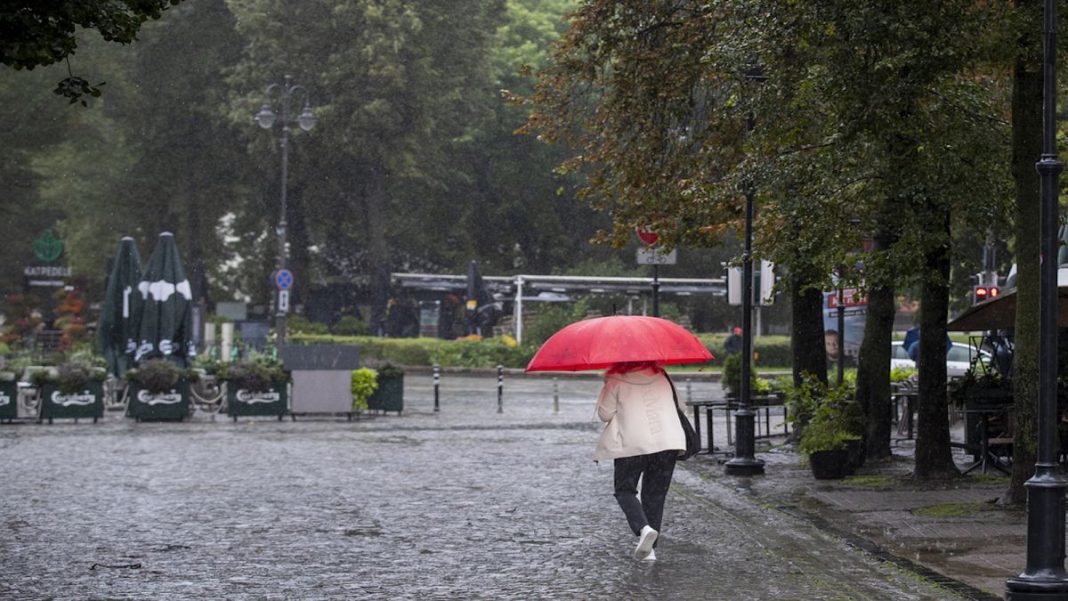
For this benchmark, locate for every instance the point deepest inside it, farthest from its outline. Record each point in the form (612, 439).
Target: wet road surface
(466, 503)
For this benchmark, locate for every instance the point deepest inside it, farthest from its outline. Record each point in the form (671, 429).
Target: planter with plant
(257, 386)
(389, 395)
(74, 390)
(159, 390)
(9, 395)
(832, 436)
(364, 384)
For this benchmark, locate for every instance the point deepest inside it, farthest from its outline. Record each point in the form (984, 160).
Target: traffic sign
(653, 256)
(283, 279)
(283, 301)
(649, 237)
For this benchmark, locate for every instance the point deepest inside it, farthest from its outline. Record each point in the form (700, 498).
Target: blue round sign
(283, 279)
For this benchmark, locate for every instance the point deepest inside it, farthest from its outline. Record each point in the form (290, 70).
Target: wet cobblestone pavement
(467, 503)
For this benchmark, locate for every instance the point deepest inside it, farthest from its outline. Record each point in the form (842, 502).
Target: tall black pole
(841, 327)
(656, 290)
(1044, 576)
(744, 462)
(280, 309)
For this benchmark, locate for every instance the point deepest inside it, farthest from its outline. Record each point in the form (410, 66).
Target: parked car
(958, 359)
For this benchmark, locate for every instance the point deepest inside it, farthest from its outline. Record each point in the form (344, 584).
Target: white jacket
(641, 416)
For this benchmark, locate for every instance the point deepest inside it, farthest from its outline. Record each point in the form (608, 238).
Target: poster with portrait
(855, 314)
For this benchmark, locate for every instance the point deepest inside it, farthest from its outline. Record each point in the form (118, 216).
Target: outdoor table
(986, 455)
(904, 416)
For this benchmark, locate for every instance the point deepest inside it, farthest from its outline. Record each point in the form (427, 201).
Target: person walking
(643, 436)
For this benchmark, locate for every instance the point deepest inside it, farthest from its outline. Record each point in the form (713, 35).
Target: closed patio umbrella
(117, 333)
(166, 327)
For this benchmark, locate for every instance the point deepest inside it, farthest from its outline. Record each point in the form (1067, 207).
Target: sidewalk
(954, 534)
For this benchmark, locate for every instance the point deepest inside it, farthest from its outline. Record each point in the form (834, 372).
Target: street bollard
(500, 389)
(437, 381)
(556, 396)
(689, 391)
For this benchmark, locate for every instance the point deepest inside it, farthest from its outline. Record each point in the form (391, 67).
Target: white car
(958, 359)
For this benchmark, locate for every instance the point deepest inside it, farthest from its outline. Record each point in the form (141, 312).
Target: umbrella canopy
(1000, 313)
(603, 341)
(117, 333)
(166, 328)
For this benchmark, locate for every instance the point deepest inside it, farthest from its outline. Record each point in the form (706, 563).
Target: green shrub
(351, 325)
(298, 324)
(364, 384)
(836, 419)
(551, 318)
(158, 376)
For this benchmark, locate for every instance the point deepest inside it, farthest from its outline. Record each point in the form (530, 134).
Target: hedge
(771, 351)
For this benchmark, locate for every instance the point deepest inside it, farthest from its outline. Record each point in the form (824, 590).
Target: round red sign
(648, 236)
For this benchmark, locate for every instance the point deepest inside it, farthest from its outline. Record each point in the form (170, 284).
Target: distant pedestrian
(643, 436)
(733, 344)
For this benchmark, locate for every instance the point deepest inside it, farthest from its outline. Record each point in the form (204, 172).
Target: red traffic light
(982, 293)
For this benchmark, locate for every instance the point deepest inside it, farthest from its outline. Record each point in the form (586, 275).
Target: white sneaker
(645, 542)
(651, 556)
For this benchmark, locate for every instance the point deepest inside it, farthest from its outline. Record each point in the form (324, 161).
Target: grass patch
(871, 481)
(988, 479)
(950, 510)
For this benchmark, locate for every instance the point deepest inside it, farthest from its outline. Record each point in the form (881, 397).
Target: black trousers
(655, 471)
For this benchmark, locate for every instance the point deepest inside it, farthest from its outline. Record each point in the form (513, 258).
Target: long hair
(629, 366)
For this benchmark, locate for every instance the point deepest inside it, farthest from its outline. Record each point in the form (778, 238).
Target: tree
(34, 34)
(853, 122)
(1026, 149)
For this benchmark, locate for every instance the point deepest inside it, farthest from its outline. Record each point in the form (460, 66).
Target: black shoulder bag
(693, 443)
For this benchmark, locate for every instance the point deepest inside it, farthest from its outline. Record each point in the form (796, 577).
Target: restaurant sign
(47, 249)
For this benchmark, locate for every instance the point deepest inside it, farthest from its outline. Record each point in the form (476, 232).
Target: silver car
(958, 359)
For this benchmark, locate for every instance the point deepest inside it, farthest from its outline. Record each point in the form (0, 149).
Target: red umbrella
(603, 341)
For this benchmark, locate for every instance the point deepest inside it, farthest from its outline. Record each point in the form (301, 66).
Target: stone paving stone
(462, 504)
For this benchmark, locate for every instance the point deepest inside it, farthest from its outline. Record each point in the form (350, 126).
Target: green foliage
(489, 352)
(157, 376)
(836, 419)
(74, 371)
(350, 325)
(551, 318)
(364, 384)
(389, 371)
(298, 324)
(258, 373)
(989, 386)
(901, 374)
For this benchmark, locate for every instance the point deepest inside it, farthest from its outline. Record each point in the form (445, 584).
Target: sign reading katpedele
(47, 248)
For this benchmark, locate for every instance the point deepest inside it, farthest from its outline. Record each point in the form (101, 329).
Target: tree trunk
(934, 458)
(806, 344)
(873, 371)
(375, 207)
(1026, 149)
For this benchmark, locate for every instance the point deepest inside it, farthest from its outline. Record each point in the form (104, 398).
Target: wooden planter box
(389, 396)
(9, 400)
(244, 402)
(830, 465)
(87, 402)
(171, 405)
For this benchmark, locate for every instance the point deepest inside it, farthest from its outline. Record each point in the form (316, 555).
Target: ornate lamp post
(744, 462)
(1044, 577)
(266, 118)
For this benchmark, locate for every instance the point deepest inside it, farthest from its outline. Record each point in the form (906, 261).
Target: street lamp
(1044, 577)
(306, 120)
(744, 462)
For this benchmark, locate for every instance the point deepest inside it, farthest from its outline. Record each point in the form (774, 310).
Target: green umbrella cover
(117, 334)
(166, 326)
